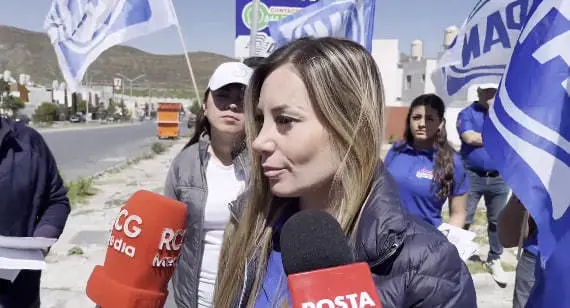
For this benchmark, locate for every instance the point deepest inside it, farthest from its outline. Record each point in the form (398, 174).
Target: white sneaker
(496, 269)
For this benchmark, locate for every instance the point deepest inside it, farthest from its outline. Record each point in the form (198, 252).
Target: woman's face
(296, 153)
(224, 109)
(424, 123)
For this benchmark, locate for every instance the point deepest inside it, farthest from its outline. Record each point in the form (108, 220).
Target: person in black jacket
(314, 127)
(33, 202)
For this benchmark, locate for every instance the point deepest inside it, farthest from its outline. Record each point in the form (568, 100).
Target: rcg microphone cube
(143, 248)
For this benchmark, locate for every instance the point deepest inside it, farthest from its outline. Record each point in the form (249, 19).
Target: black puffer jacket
(413, 264)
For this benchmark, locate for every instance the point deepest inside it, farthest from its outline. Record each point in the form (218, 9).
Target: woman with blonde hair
(314, 113)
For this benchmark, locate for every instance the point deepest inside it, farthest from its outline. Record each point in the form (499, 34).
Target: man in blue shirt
(485, 181)
(33, 202)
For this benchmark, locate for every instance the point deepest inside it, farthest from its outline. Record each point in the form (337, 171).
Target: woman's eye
(283, 120)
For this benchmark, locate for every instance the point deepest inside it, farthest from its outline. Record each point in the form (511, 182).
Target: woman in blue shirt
(427, 169)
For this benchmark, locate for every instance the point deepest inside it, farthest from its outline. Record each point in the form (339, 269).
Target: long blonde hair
(345, 88)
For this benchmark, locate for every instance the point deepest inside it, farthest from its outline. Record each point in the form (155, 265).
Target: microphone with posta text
(320, 266)
(145, 242)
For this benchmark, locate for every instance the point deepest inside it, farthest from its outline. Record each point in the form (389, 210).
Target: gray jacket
(186, 182)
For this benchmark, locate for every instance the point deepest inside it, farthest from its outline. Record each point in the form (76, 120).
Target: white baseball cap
(230, 72)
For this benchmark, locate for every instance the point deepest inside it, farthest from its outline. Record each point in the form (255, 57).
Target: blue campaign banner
(349, 19)
(269, 10)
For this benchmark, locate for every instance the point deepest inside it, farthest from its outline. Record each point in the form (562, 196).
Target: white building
(386, 53)
(59, 97)
(416, 73)
(406, 78)
(37, 95)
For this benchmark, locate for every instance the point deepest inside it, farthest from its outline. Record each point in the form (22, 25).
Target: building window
(408, 82)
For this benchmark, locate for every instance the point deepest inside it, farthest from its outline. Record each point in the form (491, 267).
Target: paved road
(85, 152)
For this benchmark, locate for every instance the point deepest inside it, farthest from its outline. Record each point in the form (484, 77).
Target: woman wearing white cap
(212, 161)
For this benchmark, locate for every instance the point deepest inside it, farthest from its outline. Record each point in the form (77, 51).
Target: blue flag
(527, 135)
(349, 19)
(81, 30)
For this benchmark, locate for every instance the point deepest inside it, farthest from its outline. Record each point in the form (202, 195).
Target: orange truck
(168, 120)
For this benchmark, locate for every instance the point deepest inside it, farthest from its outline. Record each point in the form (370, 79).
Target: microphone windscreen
(311, 240)
(145, 242)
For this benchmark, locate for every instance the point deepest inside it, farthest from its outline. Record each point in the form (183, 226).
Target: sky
(203, 20)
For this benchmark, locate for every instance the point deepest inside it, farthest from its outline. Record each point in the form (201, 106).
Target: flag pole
(188, 63)
(254, 28)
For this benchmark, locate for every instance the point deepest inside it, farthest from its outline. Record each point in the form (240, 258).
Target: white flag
(483, 45)
(81, 30)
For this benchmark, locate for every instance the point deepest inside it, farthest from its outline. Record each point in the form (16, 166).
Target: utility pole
(147, 110)
(87, 102)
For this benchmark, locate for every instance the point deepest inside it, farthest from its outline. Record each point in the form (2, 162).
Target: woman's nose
(236, 105)
(262, 143)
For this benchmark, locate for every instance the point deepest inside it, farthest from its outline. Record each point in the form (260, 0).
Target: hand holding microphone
(145, 242)
(320, 266)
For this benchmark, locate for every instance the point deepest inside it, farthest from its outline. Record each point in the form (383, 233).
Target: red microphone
(320, 266)
(144, 246)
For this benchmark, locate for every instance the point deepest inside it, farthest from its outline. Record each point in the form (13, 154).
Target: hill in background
(29, 52)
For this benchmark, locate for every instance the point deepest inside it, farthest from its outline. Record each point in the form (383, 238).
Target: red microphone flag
(341, 286)
(145, 242)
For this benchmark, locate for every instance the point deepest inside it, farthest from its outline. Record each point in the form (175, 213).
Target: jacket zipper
(201, 255)
(234, 203)
(244, 287)
(393, 249)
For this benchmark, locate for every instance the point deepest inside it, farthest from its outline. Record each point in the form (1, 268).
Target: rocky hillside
(29, 52)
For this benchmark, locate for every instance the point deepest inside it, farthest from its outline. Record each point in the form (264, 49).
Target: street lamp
(130, 81)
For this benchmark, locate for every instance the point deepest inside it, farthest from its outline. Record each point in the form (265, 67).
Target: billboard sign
(118, 83)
